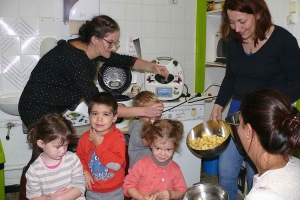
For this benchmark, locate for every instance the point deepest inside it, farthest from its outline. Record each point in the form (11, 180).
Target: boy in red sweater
(102, 150)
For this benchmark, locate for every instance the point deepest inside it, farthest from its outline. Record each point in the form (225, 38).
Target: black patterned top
(60, 79)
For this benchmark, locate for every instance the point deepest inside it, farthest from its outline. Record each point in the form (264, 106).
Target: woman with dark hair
(269, 130)
(260, 55)
(65, 75)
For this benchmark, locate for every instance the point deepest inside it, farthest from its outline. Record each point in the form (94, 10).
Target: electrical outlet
(173, 2)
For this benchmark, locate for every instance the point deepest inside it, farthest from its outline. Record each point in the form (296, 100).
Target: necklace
(250, 53)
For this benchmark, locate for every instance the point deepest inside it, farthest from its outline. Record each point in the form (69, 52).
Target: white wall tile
(9, 25)
(148, 13)
(49, 8)
(149, 56)
(152, 2)
(133, 29)
(48, 26)
(189, 30)
(9, 8)
(28, 26)
(149, 29)
(177, 46)
(134, 1)
(163, 30)
(276, 8)
(118, 1)
(133, 12)
(117, 10)
(30, 45)
(10, 45)
(163, 46)
(177, 14)
(163, 14)
(177, 30)
(104, 8)
(148, 45)
(189, 61)
(190, 13)
(162, 2)
(29, 8)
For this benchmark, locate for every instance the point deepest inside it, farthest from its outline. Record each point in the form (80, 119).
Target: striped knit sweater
(42, 180)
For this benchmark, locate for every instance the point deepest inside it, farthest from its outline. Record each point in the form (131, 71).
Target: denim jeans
(230, 162)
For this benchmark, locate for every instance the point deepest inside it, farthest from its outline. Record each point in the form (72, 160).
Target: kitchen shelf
(215, 64)
(219, 11)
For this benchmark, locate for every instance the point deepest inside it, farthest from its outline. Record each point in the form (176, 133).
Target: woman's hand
(216, 113)
(151, 67)
(161, 70)
(153, 110)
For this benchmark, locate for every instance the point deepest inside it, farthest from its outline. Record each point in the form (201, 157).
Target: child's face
(101, 118)
(54, 150)
(162, 149)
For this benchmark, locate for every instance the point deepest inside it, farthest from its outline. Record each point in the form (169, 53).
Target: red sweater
(106, 162)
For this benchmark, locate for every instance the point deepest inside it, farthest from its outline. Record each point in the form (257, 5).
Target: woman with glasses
(269, 130)
(66, 74)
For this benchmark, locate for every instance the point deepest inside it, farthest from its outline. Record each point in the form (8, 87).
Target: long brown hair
(254, 7)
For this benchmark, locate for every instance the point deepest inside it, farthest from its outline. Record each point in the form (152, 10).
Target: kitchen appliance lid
(115, 80)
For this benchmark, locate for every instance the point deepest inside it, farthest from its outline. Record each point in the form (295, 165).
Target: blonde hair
(143, 98)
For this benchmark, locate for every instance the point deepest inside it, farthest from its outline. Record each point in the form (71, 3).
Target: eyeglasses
(112, 44)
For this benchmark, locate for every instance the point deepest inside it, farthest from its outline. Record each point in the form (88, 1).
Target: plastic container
(2, 161)
(210, 165)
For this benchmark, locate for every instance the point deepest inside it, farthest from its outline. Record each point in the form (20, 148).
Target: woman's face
(242, 23)
(242, 131)
(108, 44)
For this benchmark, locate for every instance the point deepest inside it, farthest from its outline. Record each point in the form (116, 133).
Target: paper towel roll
(74, 26)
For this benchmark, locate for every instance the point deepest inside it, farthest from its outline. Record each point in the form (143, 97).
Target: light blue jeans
(230, 162)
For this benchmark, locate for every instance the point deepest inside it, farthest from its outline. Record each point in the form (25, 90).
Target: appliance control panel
(182, 111)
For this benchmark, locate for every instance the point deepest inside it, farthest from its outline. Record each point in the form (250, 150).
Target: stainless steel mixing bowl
(206, 191)
(210, 127)
(233, 121)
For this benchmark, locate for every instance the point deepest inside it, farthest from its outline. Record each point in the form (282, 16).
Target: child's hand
(149, 196)
(95, 138)
(57, 193)
(88, 180)
(164, 195)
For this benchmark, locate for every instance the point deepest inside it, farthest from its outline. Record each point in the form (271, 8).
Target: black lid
(115, 80)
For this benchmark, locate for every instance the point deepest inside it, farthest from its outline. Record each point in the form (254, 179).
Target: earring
(98, 52)
(247, 136)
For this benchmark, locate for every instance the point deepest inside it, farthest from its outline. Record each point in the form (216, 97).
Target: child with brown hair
(157, 176)
(102, 150)
(138, 147)
(56, 173)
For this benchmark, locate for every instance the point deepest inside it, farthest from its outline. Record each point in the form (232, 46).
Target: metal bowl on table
(221, 129)
(233, 121)
(206, 191)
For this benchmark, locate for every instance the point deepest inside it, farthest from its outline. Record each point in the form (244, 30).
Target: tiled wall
(163, 29)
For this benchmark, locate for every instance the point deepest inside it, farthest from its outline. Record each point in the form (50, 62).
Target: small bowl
(221, 129)
(233, 121)
(206, 191)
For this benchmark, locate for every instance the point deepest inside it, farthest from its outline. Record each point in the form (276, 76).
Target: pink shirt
(147, 177)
